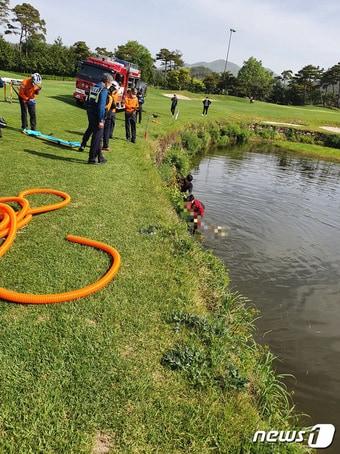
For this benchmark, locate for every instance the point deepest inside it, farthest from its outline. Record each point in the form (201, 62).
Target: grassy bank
(163, 359)
(314, 151)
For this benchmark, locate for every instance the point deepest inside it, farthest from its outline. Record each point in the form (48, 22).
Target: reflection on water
(283, 252)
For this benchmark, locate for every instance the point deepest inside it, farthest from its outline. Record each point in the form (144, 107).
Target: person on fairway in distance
(96, 115)
(206, 105)
(110, 118)
(174, 101)
(140, 97)
(29, 88)
(131, 108)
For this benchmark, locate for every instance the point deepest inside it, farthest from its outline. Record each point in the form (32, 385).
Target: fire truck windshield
(90, 72)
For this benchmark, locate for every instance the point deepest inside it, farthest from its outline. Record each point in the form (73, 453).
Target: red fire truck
(90, 72)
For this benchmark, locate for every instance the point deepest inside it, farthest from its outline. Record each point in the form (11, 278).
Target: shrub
(176, 157)
(176, 198)
(191, 141)
(214, 132)
(332, 141)
(266, 133)
(167, 173)
(223, 141)
(305, 138)
(237, 134)
(204, 136)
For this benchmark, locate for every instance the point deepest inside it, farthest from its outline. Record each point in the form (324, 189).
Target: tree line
(310, 85)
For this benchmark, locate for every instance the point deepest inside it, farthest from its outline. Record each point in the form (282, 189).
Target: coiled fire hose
(11, 222)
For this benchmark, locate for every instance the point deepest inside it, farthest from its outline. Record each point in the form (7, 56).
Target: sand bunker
(279, 123)
(331, 129)
(184, 98)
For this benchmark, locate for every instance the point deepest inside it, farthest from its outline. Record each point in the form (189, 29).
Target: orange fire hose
(46, 208)
(17, 220)
(21, 215)
(4, 221)
(12, 229)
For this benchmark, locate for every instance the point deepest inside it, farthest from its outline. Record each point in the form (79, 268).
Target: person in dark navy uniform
(96, 115)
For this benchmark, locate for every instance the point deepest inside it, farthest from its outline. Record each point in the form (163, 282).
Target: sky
(283, 34)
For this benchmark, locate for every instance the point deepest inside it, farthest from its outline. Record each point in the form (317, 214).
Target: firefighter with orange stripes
(110, 118)
(131, 108)
(29, 88)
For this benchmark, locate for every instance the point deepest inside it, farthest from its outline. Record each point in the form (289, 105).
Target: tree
(176, 59)
(286, 76)
(211, 82)
(331, 78)
(179, 79)
(279, 91)
(196, 85)
(80, 50)
(7, 55)
(170, 59)
(305, 84)
(30, 23)
(200, 72)
(4, 12)
(164, 56)
(103, 52)
(254, 80)
(227, 82)
(134, 52)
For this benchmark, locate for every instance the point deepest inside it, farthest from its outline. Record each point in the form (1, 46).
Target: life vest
(28, 90)
(112, 101)
(94, 94)
(131, 104)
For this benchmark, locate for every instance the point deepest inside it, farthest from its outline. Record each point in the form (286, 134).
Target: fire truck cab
(125, 74)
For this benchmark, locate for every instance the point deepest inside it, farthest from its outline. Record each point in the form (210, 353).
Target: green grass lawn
(89, 371)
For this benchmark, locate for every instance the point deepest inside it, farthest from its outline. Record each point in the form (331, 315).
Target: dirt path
(279, 123)
(331, 129)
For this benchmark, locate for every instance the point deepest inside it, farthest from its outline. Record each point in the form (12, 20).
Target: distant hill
(217, 66)
(200, 71)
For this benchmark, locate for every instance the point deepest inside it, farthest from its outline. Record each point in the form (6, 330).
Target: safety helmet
(36, 78)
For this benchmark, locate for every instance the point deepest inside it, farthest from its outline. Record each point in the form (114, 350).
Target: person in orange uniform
(110, 118)
(29, 88)
(131, 107)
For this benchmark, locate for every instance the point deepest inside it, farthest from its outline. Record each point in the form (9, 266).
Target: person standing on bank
(206, 105)
(140, 98)
(110, 118)
(96, 115)
(174, 101)
(131, 108)
(29, 88)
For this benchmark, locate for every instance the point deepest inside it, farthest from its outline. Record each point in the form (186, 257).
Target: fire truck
(125, 74)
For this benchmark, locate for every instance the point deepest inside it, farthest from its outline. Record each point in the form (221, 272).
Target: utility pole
(227, 56)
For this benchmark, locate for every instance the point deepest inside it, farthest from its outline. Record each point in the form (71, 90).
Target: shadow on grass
(78, 133)
(14, 101)
(11, 128)
(40, 154)
(68, 99)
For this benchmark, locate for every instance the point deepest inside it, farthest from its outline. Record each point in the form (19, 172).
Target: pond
(281, 218)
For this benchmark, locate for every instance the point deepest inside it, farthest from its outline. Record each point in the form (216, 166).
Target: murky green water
(282, 214)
